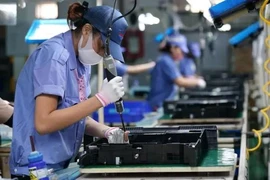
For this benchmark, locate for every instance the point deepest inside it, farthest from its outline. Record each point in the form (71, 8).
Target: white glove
(111, 91)
(201, 83)
(115, 136)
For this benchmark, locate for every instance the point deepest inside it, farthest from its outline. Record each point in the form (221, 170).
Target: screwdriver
(110, 70)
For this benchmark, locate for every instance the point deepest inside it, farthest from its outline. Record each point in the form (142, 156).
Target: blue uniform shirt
(162, 85)
(120, 68)
(187, 67)
(49, 70)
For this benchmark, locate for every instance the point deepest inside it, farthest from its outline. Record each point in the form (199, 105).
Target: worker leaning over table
(190, 52)
(166, 75)
(51, 91)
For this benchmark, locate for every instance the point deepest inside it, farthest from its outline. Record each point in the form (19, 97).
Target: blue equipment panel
(227, 6)
(230, 9)
(41, 30)
(246, 33)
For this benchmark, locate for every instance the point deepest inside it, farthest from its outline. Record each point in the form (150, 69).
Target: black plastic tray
(213, 89)
(224, 108)
(211, 94)
(180, 145)
(207, 109)
(225, 75)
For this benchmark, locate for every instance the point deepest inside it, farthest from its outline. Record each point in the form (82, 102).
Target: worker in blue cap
(166, 76)
(190, 50)
(53, 86)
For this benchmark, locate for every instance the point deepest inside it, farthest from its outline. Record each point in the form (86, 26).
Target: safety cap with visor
(100, 17)
(178, 40)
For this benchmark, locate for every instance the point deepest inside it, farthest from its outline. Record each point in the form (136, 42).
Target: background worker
(191, 52)
(6, 112)
(53, 86)
(166, 76)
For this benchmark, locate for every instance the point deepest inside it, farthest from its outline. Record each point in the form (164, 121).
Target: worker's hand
(116, 135)
(111, 91)
(201, 83)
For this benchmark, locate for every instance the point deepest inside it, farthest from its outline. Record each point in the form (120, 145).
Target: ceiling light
(21, 3)
(148, 19)
(46, 10)
(199, 5)
(187, 8)
(141, 26)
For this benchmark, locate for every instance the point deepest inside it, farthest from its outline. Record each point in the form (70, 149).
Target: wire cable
(264, 88)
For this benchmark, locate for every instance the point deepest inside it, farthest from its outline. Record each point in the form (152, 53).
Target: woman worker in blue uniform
(51, 91)
(190, 52)
(166, 73)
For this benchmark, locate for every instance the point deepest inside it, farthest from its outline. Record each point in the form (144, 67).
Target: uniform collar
(69, 46)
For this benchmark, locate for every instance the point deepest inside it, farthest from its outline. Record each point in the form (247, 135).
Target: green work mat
(222, 157)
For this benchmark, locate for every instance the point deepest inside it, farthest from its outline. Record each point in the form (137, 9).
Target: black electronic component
(176, 145)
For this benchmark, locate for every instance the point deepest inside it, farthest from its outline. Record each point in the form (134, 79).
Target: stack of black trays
(222, 98)
(208, 75)
(191, 109)
(164, 145)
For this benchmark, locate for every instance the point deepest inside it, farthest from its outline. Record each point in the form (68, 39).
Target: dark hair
(190, 54)
(75, 18)
(166, 48)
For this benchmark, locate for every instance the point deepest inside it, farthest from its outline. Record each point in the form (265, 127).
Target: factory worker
(166, 76)
(190, 51)
(6, 112)
(53, 86)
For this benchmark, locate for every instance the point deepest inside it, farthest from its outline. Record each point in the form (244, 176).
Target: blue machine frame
(230, 7)
(32, 38)
(250, 31)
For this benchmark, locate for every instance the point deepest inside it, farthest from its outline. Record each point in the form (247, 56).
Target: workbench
(217, 164)
(159, 119)
(4, 158)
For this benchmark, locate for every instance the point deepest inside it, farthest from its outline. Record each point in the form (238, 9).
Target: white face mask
(87, 55)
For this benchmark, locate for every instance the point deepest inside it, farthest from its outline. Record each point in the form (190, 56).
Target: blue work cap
(179, 41)
(100, 18)
(195, 49)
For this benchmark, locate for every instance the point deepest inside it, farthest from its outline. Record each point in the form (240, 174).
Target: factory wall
(219, 59)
